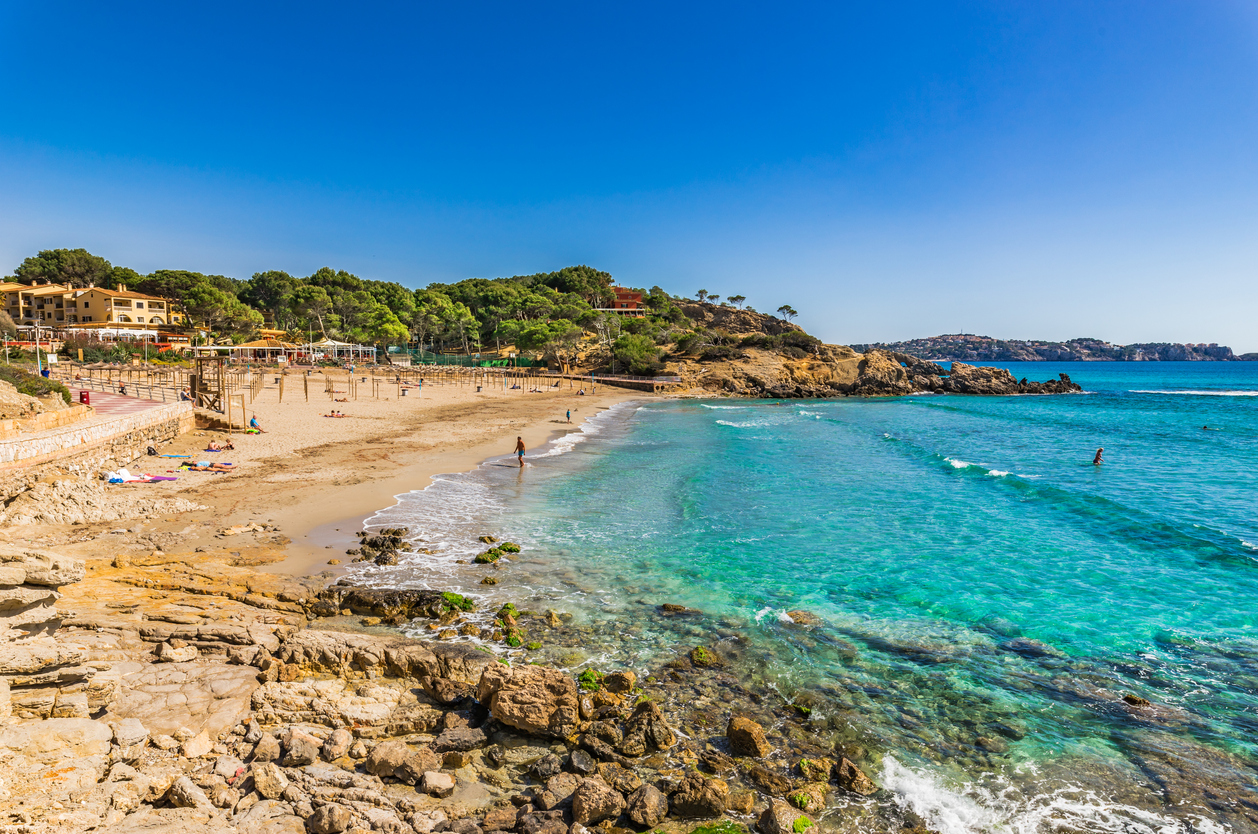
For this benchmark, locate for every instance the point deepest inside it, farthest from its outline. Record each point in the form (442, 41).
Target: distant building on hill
(628, 303)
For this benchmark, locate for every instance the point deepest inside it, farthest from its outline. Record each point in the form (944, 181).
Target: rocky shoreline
(189, 695)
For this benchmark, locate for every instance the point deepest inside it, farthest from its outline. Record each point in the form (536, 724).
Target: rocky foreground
(161, 693)
(837, 371)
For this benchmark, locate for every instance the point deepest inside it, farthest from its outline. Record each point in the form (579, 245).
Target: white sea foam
(763, 612)
(1197, 393)
(1249, 544)
(725, 407)
(973, 810)
(748, 424)
(997, 473)
(959, 464)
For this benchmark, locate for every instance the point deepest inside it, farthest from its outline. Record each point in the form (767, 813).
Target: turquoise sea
(988, 594)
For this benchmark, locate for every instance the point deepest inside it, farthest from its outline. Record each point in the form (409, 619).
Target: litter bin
(478, 389)
(85, 397)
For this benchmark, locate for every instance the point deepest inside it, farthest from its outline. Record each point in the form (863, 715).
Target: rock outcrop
(835, 371)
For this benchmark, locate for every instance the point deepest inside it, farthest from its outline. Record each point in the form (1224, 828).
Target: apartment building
(59, 307)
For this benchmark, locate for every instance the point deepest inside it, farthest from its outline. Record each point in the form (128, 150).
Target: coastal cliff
(835, 370)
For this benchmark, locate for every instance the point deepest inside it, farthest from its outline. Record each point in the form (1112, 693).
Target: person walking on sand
(519, 450)
(570, 415)
(1098, 460)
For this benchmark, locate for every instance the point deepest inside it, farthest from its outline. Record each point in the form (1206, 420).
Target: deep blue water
(989, 595)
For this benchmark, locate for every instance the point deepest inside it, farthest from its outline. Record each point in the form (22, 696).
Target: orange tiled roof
(126, 294)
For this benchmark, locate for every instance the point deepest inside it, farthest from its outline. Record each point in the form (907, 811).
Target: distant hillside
(970, 348)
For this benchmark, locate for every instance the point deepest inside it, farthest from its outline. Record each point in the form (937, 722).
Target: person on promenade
(519, 450)
(122, 389)
(1098, 460)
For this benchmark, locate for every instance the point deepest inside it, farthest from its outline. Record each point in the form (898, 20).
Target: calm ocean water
(989, 595)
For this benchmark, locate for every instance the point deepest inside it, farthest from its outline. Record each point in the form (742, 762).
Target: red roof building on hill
(628, 303)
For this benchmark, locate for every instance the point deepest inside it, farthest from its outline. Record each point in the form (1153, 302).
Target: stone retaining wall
(14, 429)
(88, 449)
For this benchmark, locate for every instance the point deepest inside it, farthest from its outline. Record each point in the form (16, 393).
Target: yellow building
(96, 307)
(63, 308)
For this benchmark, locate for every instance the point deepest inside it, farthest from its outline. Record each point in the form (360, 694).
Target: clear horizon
(1045, 171)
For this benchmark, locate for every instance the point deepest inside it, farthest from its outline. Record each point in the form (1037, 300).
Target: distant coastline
(967, 347)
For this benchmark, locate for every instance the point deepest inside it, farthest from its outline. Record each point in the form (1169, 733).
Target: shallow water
(988, 594)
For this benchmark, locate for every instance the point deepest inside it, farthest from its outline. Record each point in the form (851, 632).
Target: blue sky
(1040, 170)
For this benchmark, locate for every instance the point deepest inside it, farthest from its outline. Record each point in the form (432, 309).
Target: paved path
(114, 405)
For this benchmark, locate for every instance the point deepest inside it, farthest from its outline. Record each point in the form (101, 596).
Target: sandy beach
(317, 477)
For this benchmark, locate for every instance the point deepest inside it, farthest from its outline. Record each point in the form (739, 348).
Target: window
(140, 319)
(139, 305)
(126, 319)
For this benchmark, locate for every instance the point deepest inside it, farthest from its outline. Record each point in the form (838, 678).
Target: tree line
(552, 314)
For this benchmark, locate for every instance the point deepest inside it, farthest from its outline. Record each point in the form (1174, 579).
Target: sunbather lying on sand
(209, 466)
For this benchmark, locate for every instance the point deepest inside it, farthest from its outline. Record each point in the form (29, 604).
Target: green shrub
(33, 385)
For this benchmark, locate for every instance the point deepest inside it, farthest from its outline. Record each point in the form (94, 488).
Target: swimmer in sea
(1098, 460)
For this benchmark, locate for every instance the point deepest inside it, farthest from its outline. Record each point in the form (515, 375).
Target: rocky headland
(837, 371)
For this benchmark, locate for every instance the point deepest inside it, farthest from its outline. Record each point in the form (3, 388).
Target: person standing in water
(519, 450)
(1098, 460)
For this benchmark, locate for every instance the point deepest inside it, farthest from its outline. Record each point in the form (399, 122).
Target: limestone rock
(620, 682)
(648, 806)
(185, 794)
(201, 696)
(42, 567)
(329, 819)
(386, 757)
(299, 748)
(268, 779)
(267, 750)
(816, 770)
(438, 784)
(533, 699)
(746, 737)
(594, 801)
(415, 765)
(337, 744)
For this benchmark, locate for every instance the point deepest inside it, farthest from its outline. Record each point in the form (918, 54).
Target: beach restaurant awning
(338, 349)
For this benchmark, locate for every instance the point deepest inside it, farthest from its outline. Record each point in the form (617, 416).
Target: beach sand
(316, 478)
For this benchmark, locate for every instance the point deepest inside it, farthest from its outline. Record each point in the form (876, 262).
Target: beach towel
(175, 456)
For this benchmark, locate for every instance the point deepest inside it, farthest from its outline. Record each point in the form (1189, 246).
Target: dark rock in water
(389, 604)
(746, 737)
(581, 762)
(672, 609)
(1027, 647)
(714, 761)
(699, 798)
(1136, 701)
(768, 781)
(648, 807)
(852, 778)
(647, 721)
(816, 769)
(389, 558)
(804, 618)
(703, 657)
(781, 818)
